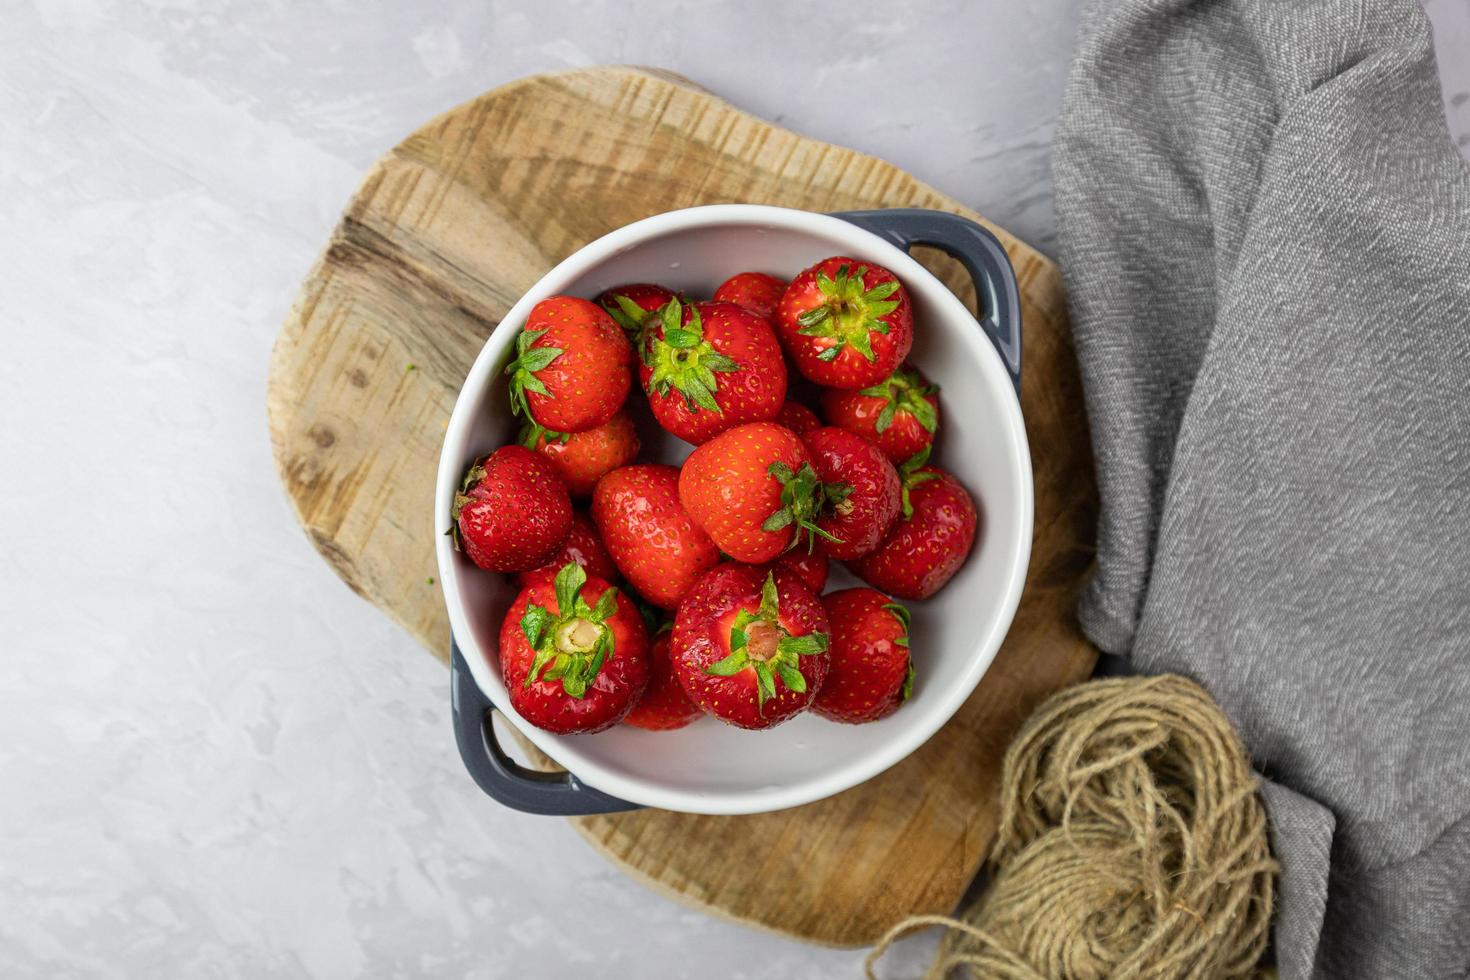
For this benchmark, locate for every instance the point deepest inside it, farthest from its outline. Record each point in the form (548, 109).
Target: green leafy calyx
(473, 475)
(682, 360)
(760, 643)
(911, 473)
(655, 620)
(523, 369)
(636, 322)
(533, 433)
(804, 497)
(901, 614)
(904, 391)
(572, 643)
(849, 313)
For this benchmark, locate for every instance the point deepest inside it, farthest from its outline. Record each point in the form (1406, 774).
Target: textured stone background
(215, 760)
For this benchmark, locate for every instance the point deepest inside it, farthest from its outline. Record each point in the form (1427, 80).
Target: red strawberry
(750, 649)
(809, 566)
(581, 458)
(753, 490)
(798, 418)
(862, 488)
(582, 546)
(665, 705)
(634, 307)
(931, 540)
(573, 653)
(871, 673)
(651, 537)
(756, 291)
(846, 324)
(899, 413)
(710, 367)
(512, 511)
(573, 366)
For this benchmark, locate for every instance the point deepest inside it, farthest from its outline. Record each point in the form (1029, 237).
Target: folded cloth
(1265, 232)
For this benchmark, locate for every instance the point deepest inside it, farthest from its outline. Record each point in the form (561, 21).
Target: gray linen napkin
(1265, 231)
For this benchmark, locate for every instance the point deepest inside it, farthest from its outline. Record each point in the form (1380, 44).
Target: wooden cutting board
(445, 233)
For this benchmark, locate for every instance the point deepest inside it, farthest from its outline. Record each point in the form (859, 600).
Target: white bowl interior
(711, 767)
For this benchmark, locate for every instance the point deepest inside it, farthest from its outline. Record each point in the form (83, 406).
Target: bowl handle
(980, 252)
(557, 794)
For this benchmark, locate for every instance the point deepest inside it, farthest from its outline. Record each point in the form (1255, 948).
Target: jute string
(1132, 844)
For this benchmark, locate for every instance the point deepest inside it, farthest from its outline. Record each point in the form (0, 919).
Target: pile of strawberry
(726, 557)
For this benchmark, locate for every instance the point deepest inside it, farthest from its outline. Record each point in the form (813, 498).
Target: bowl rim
(455, 449)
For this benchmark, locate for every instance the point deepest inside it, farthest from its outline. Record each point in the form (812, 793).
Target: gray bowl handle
(557, 794)
(980, 252)
(561, 793)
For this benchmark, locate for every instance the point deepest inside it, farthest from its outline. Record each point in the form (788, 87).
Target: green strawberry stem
(803, 498)
(849, 313)
(523, 370)
(683, 361)
(655, 620)
(571, 644)
(636, 322)
(901, 613)
(760, 643)
(532, 432)
(473, 475)
(904, 391)
(910, 474)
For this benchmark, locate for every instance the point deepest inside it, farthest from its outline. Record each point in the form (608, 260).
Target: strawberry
(573, 653)
(573, 366)
(809, 566)
(512, 511)
(634, 307)
(710, 367)
(845, 323)
(871, 672)
(932, 538)
(797, 417)
(863, 491)
(899, 413)
(651, 537)
(583, 546)
(756, 291)
(665, 705)
(581, 458)
(750, 649)
(753, 490)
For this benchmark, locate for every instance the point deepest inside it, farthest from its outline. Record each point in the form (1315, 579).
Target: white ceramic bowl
(710, 767)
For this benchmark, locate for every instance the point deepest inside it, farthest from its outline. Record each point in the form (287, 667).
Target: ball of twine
(1132, 844)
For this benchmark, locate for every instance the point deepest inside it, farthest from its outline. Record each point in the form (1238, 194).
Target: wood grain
(444, 234)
